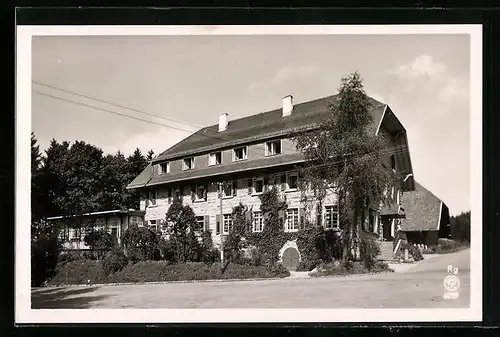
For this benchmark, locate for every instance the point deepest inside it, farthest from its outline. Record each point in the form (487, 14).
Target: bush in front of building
(413, 251)
(92, 272)
(81, 271)
(349, 268)
(140, 243)
(114, 261)
(99, 242)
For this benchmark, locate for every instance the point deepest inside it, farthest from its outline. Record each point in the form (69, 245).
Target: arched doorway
(290, 258)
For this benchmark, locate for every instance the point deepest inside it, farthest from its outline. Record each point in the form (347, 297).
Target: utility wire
(111, 103)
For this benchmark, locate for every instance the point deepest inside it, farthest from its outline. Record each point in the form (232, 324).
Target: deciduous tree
(344, 154)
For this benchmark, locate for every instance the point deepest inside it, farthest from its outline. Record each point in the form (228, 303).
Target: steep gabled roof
(422, 210)
(261, 126)
(254, 128)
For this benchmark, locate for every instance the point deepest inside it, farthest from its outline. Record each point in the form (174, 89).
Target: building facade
(252, 154)
(115, 222)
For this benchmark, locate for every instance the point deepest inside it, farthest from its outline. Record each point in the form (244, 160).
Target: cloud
(426, 76)
(285, 74)
(422, 66)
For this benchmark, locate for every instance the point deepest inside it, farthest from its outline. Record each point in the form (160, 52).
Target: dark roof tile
(422, 209)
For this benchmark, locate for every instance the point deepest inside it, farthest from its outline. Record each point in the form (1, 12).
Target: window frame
(292, 174)
(245, 157)
(202, 227)
(270, 148)
(257, 215)
(167, 168)
(231, 194)
(214, 154)
(152, 195)
(254, 190)
(192, 160)
(227, 218)
(335, 210)
(196, 197)
(151, 224)
(294, 216)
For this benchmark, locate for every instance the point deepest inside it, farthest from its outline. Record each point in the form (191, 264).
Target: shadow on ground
(64, 298)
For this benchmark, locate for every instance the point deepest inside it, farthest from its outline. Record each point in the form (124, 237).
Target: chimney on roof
(287, 105)
(223, 122)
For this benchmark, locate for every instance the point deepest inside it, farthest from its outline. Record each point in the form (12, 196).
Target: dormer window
(215, 158)
(164, 168)
(188, 163)
(273, 147)
(240, 153)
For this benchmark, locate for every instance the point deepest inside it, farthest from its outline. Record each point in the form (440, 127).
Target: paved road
(420, 287)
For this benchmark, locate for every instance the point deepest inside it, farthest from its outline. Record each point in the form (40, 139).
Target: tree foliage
(460, 227)
(345, 154)
(181, 225)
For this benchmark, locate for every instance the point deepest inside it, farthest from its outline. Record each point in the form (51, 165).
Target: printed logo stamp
(451, 284)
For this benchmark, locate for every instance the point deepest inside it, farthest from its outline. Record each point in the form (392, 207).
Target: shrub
(44, 258)
(140, 243)
(78, 272)
(430, 250)
(349, 268)
(445, 246)
(70, 255)
(167, 250)
(99, 242)
(369, 250)
(413, 251)
(114, 261)
(157, 271)
(210, 254)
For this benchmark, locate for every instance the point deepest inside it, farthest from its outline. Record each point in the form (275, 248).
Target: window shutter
(250, 186)
(218, 225)
(205, 192)
(235, 187)
(283, 182)
(207, 223)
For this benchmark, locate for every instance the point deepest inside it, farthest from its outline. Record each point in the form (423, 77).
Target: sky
(188, 81)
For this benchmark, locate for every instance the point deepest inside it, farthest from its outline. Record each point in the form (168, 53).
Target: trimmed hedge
(352, 268)
(79, 272)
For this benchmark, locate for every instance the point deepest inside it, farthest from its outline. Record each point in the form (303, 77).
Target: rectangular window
(152, 225)
(292, 181)
(292, 219)
(164, 168)
(188, 163)
(240, 153)
(273, 147)
(331, 217)
(200, 223)
(152, 198)
(258, 224)
(258, 185)
(228, 223)
(201, 193)
(114, 232)
(215, 158)
(177, 193)
(227, 190)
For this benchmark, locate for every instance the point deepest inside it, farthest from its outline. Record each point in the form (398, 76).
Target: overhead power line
(114, 104)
